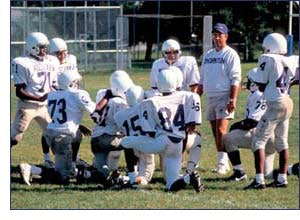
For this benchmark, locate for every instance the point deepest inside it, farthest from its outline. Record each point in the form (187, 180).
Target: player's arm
(21, 93)
(200, 89)
(194, 88)
(100, 106)
(153, 74)
(102, 103)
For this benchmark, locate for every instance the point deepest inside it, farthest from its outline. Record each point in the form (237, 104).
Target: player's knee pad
(281, 143)
(257, 144)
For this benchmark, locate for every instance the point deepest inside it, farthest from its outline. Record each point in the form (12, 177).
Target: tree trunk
(148, 51)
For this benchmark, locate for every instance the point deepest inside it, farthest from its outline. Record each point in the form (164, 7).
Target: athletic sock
(260, 178)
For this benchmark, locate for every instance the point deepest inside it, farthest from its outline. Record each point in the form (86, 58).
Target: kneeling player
(242, 132)
(66, 107)
(130, 125)
(106, 136)
(169, 116)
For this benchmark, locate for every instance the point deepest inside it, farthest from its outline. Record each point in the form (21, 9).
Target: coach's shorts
(216, 108)
(26, 112)
(274, 122)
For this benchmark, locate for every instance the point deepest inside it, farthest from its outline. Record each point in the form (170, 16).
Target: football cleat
(255, 185)
(115, 178)
(179, 184)
(83, 175)
(195, 182)
(277, 184)
(48, 164)
(295, 169)
(25, 173)
(238, 175)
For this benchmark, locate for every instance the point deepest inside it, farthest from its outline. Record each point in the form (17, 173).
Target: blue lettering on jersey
(214, 60)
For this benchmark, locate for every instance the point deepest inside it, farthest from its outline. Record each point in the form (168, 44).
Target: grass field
(219, 194)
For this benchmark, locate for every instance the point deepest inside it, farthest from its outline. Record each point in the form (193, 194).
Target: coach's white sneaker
(25, 172)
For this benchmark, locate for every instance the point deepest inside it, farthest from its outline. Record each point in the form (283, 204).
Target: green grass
(219, 195)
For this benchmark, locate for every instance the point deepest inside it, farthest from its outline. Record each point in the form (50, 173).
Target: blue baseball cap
(221, 28)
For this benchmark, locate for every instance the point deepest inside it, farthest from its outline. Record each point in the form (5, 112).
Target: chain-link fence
(98, 36)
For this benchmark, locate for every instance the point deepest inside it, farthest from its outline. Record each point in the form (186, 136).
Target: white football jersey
(107, 123)
(219, 71)
(276, 71)
(152, 92)
(171, 113)
(256, 105)
(70, 64)
(134, 120)
(188, 66)
(38, 76)
(295, 60)
(66, 109)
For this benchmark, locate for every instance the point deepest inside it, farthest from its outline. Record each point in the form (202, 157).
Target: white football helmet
(57, 45)
(69, 80)
(169, 45)
(171, 51)
(119, 83)
(251, 85)
(167, 81)
(134, 95)
(34, 41)
(179, 76)
(275, 44)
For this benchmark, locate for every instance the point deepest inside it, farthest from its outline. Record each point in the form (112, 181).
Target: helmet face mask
(171, 50)
(59, 48)
(69, 80)
(36, 44)
(251, 85)
(275, 43)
